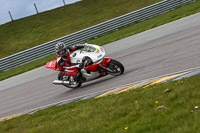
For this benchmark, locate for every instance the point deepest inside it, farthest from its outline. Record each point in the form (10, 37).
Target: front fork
(103, 66)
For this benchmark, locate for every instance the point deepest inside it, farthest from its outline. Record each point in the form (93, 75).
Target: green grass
(124, 32)
(136, 110)
(31, 31)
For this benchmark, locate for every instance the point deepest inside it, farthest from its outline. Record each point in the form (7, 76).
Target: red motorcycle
(95, 65)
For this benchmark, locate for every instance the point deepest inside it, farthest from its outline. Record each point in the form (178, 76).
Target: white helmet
(59, 47)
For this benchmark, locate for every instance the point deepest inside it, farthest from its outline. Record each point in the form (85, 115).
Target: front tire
(61, 77)
(115, 67)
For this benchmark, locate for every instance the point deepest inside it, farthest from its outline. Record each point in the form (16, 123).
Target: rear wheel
(115, 68)
(74, 84)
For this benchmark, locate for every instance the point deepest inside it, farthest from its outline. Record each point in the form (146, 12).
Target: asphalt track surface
(163, 50)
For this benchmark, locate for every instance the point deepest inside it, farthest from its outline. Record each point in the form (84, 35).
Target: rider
(63, 59)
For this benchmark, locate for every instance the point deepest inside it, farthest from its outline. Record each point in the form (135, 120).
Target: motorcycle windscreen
(52, 65)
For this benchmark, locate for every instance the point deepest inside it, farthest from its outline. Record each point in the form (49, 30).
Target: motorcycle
(95, 65)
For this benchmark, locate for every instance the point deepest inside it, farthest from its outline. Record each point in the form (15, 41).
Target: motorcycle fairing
(105, 61)
(92, 68)
(68, 72)
(92, 71)
(89, 75)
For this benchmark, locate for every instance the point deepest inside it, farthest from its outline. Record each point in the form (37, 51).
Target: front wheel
(115, 68)
(66, 77)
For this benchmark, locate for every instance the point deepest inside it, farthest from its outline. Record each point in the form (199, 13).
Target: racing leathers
(64, 63)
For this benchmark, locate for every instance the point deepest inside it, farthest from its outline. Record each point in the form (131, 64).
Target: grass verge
(142, 110)
(122, 33)
(31, 31)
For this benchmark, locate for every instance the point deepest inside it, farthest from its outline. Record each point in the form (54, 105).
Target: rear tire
(116, 67)
(61, 76)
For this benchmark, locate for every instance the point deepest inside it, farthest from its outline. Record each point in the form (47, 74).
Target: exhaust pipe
(60, 82)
